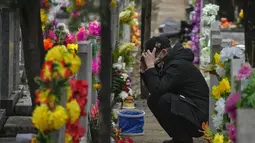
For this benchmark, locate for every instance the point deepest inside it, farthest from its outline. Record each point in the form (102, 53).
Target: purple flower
(94, 28)
(244, 72)
(231, 132)
(230, 106)
(196, 60)
(52, 35)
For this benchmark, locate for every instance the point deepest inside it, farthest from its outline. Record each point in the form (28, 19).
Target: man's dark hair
(159, 42)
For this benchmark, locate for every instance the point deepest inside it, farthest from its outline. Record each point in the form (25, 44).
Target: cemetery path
(153, 133)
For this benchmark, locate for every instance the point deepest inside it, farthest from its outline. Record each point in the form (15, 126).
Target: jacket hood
(178, 52)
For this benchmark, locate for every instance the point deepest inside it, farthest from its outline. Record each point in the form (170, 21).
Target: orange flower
(46, 72)
(33, 140)
(138, 33)
(80, 3)
(47, 44)
(233, 42)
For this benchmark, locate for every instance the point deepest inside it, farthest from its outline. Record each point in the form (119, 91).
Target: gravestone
(245, 126)
(8, 66)
(216, 41)
(115, 25)
(85, 73)
(250, 32)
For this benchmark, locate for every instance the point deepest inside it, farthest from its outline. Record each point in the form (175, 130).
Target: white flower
(211, 9)
(230, 53)
(220, 106)
(117, 66)
(125, 76)
(220, 71)
(206, 32)
(130, 92)
(217, 121)
(123, 95)
(205, 55)
(208, 20)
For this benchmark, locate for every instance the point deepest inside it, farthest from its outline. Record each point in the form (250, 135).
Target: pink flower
(70, 38)
(52, 35)
(96, 65)
(244, 72)
(230, 106)
(81, 34)
(75, 14)
(94, 28)
(231, 132)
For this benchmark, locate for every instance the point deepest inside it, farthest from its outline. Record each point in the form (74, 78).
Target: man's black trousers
(177, 127)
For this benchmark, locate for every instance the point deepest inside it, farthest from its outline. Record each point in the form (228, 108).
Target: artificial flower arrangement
(60, 100)
(125, 50)
(121, 84)
(236, 100)
(221, 93)
(129, 15)
(196, 30)
(135, 32)
(225, 24)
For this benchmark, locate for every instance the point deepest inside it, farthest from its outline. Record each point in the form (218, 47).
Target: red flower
(79, 87)
(125, 140)
(75, 130)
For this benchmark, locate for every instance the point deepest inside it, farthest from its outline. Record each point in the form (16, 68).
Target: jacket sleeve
(157, 85)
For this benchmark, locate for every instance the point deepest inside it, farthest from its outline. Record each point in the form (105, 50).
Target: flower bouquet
(60, 102)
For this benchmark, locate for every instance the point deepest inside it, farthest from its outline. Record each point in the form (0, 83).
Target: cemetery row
(67, 108)
(231, 80)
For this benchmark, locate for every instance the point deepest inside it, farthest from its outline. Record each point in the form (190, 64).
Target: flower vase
(245, 125)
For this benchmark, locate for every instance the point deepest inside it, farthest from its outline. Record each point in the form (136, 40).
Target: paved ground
(153, 131)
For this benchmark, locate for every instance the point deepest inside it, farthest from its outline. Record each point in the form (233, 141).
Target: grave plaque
(250, 32)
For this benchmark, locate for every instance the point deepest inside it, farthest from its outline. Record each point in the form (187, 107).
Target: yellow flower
(43, 15)
(40, 117)
(56, 53)
(217, 60)
(73, 47)
(216, 92)
(241, 14)
(97, 86)
(74, 60)
(224, 86)
(43, 27)
(58, 117)
(73, 109)
(68, 92)
(52, 99)
(218, 138)
(68, 138)
(42, 95)
(113, 4)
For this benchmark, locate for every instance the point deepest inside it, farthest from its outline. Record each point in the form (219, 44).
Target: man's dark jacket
(183, 81)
